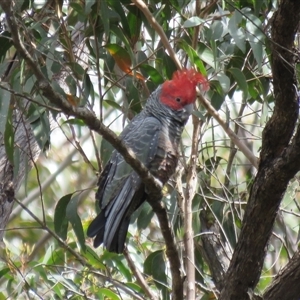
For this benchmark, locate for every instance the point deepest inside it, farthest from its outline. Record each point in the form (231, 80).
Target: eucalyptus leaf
(193, 22)
(73, 218)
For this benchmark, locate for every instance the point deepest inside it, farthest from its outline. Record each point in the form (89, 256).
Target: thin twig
(139, 277)
(236, 140)
(144, 8)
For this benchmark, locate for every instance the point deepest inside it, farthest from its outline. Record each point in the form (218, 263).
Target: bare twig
(144, 8)
(139, 277)
(172, 253)
(190, 191)
(236, 140)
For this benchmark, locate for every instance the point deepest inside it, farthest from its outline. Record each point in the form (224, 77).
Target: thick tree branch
(286, 283)
(213, 250)
(277, 165)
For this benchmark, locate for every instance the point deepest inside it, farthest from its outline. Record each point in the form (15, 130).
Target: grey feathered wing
(121, 191)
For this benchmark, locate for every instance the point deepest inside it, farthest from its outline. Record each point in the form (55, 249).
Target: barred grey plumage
(154, 135)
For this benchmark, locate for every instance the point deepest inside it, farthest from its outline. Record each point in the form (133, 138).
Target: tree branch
(191, 184)
(139, 277)
(278, 163)
(286, 283)
(171, 251)
(213, 250)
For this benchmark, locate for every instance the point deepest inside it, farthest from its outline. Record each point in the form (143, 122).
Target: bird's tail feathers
(96, 228)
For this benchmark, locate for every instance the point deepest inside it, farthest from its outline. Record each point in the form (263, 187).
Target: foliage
(226, 40)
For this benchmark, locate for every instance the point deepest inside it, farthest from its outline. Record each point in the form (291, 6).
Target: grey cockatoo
(154, 135)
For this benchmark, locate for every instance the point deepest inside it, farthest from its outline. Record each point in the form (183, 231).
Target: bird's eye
(178, 99)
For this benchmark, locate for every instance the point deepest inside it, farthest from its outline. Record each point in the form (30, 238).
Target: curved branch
(278, 163)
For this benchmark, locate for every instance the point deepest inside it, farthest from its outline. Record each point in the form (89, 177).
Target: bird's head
(181, 90)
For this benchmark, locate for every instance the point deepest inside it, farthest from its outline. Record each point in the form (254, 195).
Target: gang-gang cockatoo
(154, 135)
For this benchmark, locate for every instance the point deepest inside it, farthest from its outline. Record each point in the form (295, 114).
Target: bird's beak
(189, 108)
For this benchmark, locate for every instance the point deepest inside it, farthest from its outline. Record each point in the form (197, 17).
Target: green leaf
(121, 57)
(216, 100)
(6, 43)
(105, 151)
(135, 23)
(123, 269)
(41, 128)
(193, 22)
(4, 271)
(133, 95)
(110, 294)
(155, 266)
(93, 258)
(206, 55)
(193, 56)
(153, 73)
(256, 37)
(134, 287)
(104, 12)
(17, 162)
(238, 34)
(224, 82)
(241, 80)
(113, 104)
(217, 30)
(88, 89)
(145, 216)
(117, 7)
(50, 59)
(77, 69)
(73, 218)
(77, 122)
(199, 115)
(4, 106)
(60, 220)
(88, 6)
(71, 82)
(9, 137)
(168, 64)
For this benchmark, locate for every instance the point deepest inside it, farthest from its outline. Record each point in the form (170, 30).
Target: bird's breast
(165, 160)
